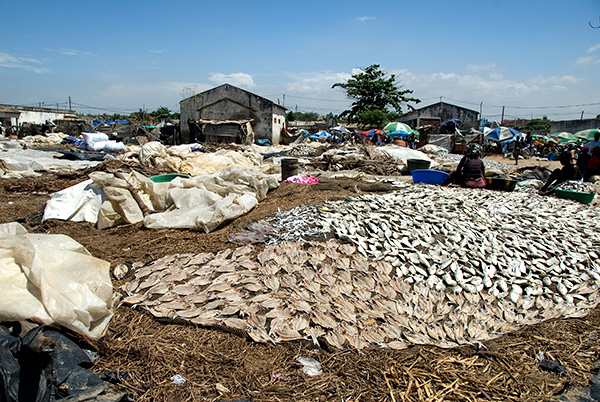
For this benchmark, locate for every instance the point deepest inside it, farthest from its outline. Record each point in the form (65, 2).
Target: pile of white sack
(99, 142)
(202, 202)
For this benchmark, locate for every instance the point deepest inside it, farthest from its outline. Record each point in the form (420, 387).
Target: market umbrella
(564, 135)
(372, 132)
(398, 127)
(398, 134)
(587, 135)
(452, 123)
(341, 129)
(503, 134)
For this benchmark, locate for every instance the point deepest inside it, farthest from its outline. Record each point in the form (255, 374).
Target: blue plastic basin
(429, 176)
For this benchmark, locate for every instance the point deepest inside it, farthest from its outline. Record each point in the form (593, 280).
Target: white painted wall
(278, 125)
(36, 117)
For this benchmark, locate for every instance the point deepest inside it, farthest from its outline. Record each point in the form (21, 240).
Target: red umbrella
(372, 132)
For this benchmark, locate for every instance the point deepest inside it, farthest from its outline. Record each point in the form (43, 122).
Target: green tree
(160, 114)
(535, 125)
(141, 116)
(377, 97)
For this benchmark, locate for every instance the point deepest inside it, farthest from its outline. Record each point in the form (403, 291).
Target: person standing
(593, 144)
(516, 154)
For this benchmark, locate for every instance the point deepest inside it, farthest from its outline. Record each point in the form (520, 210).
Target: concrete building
(230, 114)
(573, 126)
(438, 113)
(14, 115)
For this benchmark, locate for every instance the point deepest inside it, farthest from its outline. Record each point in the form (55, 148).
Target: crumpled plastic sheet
(30, 162)
(49, 364)
(52, 279)
(201, 202)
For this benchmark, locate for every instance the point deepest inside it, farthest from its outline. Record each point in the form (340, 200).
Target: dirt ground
(220, 366)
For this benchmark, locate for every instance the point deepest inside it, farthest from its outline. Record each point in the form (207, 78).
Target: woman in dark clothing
(568, 172)
(470, 171)
(582, 160)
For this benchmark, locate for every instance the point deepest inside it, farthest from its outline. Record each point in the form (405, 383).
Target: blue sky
(536, 58)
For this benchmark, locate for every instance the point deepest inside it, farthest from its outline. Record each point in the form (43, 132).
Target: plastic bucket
(289, 167)
(415, 164)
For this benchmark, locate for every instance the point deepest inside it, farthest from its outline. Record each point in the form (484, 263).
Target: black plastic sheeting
(47, 365)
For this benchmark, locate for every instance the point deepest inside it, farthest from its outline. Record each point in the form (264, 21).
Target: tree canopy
(535, 125)
(377, 98)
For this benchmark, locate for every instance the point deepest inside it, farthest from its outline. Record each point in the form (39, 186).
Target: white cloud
(585, 61)
(23, 63)
(481, 67)
(594, 48)
(156, 51)
(68, 52)
(237, 79)
(366, 18)
(555, 80)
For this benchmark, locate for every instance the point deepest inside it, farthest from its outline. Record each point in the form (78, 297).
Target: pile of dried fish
(489, 164)
(303, 150)
(572, 185)
(423, 265)
(303, 223)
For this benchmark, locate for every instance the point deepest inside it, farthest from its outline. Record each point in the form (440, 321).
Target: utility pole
(502, 119)
(283, 100)
(481, 110)
(581, 115)
(70, 110)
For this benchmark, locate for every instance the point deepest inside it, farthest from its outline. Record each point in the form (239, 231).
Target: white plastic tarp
(77, 203)
(403, 154)
(52, 279)
(201, 202)
(29, 162)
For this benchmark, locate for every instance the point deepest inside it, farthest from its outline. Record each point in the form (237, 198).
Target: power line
(527, 107)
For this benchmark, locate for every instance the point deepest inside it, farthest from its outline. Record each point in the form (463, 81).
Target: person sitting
(470, 171)
(593, 166)
(568, 172)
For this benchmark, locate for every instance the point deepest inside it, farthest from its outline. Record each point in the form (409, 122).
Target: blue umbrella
(503, 134)
(452, 122)
(341, 129)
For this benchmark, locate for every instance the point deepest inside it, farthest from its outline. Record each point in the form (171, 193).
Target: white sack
(90, 138)
(52, 279)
